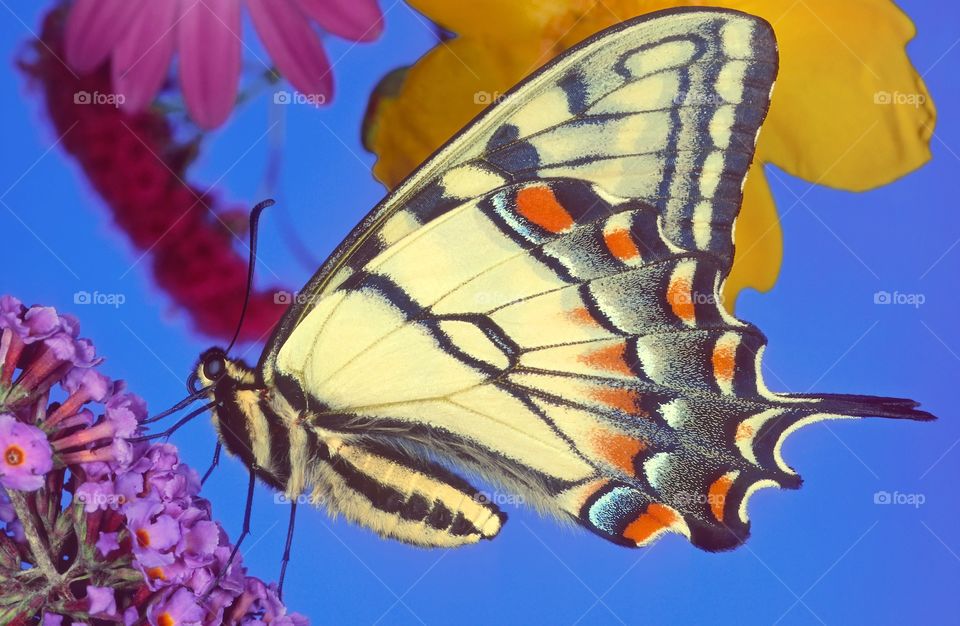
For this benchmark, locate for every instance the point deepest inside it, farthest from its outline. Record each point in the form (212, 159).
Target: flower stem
(37, 547)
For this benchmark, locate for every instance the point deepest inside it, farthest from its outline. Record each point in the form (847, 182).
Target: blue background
(826, 553)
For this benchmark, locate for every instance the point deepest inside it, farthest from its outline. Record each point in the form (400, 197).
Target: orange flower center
(166, 619)
(143, 537)
(155, 573)
(14, 455)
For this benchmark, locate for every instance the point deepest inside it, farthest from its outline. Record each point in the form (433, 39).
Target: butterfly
(538, 306)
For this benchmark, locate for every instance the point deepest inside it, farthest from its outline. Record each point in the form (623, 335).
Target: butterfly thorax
(252, 422)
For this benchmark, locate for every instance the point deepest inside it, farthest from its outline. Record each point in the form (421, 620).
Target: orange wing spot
(717, 495)
(619, 450)
(723, 362)
(745, 432)
(680, 298)
(621, 245)
(540, 206)
(656, 518)
(627, 400)
(612, 358)
(583, 316)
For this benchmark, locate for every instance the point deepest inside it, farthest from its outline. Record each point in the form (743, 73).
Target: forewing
(664, 108)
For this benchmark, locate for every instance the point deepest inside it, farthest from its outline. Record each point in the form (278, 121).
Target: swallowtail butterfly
(538, 306)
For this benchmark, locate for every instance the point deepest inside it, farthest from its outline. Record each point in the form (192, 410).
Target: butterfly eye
(214, 367)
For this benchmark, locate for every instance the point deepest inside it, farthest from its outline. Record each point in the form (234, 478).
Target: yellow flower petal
(504, 20)
(759, 240)
(441, 93)
(849, 110)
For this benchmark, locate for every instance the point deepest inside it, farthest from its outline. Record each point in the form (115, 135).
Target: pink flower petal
(357, 20)
(209, 44)
(141, 60)
(293, 46)
(94, 28)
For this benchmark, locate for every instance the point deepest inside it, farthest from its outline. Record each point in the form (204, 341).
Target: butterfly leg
(248, 508)
(286, 549)
(213, 464)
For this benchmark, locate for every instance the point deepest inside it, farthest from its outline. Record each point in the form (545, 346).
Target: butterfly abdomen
(401, 497)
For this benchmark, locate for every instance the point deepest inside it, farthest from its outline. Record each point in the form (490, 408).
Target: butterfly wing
(539, 303)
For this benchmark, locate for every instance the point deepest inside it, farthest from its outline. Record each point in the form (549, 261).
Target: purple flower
(8, 516)
(41, 322)
(11, 315)
(89, 382)
(49, 619)
(151, 530)
(25, 455)
(141, 505)
(177, 608)
(198, 543)
(102, 601)
(107, 543)
(262, 601)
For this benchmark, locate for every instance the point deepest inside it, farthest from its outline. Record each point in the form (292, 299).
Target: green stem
(41, 558)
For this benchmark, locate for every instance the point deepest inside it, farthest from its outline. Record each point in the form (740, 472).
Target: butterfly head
(221, 379)
(216, 371)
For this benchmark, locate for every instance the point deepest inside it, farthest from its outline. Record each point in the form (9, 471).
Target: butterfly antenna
(183, 420)
(196, 395)
(254, 220)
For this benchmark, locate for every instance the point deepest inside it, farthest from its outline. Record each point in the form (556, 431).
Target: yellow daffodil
(849, 110)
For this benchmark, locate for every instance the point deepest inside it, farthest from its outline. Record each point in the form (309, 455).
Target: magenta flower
(141, 36)
(26, 455)
(85, 511)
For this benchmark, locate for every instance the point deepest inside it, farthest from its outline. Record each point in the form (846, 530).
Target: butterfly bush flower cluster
(96, 527)
(135, 162)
